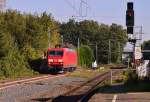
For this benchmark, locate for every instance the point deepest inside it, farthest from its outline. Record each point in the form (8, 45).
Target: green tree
(119, 39)
(51, 29)
(12, 63)
(85, 56)
(70, 31)
(91, 32)
(24, 37)
(88, 30)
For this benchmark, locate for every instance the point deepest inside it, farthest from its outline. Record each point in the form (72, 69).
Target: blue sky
(103, 11)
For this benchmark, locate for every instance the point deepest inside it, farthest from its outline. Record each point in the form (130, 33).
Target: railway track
(8, 84)
(80, 93)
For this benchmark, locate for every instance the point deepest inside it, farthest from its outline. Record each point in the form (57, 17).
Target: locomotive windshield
(56, 53)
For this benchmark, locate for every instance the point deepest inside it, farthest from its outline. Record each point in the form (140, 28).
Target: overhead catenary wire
(83, 7)
(72, 6)
(84, 11)
(81, 11)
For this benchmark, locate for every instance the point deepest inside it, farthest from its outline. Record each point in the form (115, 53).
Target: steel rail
(4, 85)
(79, 93)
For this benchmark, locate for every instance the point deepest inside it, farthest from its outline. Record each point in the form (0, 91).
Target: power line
(83, 8)
(72, 6)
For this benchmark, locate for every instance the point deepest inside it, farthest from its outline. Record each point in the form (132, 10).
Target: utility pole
(78, 50)
(119, 51)
(78, 43)
(49, 34)
(109, 52)
(62, 39)
(96, 53)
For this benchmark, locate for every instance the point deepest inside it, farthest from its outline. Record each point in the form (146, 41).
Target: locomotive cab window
(56, 53)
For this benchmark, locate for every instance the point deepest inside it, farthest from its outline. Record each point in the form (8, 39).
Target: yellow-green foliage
(12, 63)
(23, 39)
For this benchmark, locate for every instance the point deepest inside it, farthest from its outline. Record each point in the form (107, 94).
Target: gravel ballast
(33, 91)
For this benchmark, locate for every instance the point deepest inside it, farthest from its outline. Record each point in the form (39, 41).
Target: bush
(12, 63)
(85, 56)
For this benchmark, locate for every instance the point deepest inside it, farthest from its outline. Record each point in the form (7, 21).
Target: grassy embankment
(88, 72)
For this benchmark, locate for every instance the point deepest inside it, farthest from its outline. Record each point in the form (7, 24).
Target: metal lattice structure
(83, 8)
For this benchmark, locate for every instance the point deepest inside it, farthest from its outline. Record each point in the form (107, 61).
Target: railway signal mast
(132, 38)
(130, 22)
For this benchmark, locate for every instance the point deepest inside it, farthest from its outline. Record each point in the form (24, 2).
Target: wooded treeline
(110, 39)
(24, 38)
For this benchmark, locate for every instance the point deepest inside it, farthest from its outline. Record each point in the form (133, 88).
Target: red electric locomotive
(61, 59)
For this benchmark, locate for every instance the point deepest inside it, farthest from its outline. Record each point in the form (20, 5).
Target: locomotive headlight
(60, 60)
(50, 60)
